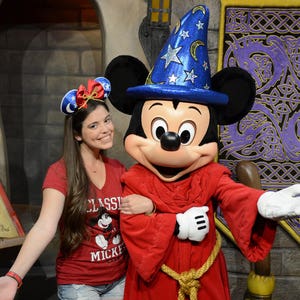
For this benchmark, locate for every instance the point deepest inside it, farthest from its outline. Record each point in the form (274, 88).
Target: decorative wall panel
(263, 37)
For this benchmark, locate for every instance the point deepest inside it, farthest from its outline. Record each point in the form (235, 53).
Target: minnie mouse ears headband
(97, 89)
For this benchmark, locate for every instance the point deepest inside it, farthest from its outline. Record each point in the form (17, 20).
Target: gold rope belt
(189, 280)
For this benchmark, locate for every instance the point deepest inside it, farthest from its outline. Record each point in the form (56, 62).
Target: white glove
(193, 224)
(282, 204)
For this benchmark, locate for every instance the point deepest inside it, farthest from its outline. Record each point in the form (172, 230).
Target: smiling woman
(82, 197)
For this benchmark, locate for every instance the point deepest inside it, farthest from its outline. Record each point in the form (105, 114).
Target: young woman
(82, 196)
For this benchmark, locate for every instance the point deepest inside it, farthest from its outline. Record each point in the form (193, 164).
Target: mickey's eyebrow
(194, 107)
(154, 104)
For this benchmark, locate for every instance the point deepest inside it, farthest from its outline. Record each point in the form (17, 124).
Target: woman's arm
(36, 241)
(137, 204)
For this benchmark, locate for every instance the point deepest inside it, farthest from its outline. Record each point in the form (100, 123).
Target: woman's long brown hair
(73, 229)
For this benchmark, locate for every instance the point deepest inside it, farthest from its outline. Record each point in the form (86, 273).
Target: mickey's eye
(187, 133)
(159, 127)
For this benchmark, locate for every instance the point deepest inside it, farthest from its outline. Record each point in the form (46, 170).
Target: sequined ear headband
(98, 89)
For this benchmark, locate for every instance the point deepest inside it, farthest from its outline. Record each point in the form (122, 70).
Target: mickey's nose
(170, 141)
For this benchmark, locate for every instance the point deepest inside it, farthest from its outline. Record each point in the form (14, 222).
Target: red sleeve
(56, 177)
(253, 234)
(148, 240)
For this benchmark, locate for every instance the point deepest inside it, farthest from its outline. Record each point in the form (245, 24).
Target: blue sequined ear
(68, 102)
(106, 85)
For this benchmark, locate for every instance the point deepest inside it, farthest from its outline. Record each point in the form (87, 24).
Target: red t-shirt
(103, 258)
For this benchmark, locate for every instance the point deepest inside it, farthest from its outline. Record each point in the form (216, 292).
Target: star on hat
(182, 69)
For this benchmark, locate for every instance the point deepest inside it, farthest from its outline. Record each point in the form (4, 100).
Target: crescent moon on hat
(150, 81)
(200, 7)
(194, 47)
(69, 110)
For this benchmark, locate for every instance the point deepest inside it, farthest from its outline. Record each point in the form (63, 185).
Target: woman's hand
(8, 288)
(136, 204)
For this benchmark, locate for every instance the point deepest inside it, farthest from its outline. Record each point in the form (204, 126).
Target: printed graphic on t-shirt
(106, 223)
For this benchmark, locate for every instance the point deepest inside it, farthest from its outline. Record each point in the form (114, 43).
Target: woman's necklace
(96, 172)
(94, 167)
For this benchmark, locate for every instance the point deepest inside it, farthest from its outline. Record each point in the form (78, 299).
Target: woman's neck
(95, 168)
(92, 159)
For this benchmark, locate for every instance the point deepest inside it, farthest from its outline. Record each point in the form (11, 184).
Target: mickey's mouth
(168, 172)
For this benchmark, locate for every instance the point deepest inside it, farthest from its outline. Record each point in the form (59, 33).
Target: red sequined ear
(95, 91)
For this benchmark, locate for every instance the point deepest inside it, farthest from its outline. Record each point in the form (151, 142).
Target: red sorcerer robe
(151, 242)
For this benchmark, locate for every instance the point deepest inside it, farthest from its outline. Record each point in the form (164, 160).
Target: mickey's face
(174, 131)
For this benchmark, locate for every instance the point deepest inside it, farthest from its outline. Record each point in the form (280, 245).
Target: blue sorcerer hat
(182, 69)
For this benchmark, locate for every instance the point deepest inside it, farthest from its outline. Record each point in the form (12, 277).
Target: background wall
(44, 52)
(50, 47)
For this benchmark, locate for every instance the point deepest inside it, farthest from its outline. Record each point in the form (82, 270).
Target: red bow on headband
(94, 91)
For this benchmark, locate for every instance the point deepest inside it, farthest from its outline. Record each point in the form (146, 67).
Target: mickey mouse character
(173, 135)
(105, 223)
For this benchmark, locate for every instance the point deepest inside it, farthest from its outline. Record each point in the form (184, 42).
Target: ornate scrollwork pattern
(266, 42)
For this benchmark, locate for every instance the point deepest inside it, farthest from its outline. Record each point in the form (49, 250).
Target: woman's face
(97, 130)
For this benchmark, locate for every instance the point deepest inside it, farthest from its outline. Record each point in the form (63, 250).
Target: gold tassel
(189, 281)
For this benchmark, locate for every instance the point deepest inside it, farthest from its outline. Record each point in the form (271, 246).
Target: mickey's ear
(239, 85)
(124, 71)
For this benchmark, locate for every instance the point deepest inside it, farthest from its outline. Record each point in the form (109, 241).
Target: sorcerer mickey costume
(175, 252)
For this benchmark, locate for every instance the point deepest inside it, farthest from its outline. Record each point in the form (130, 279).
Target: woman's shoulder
(56, 177)
(56, 170)
(57, 166)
